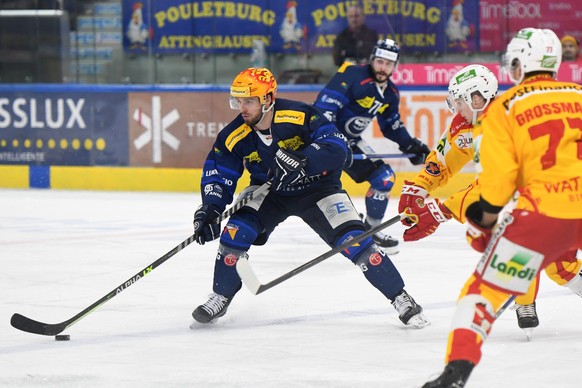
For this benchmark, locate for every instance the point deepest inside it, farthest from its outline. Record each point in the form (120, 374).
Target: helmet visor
(454, 103)
(249, 103)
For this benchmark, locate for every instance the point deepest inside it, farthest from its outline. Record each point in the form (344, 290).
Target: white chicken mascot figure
(292, 31)
(137, 31)
(457, 29)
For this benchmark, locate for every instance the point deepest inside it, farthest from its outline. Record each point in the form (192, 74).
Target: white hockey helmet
(533, 49)
(470, 80)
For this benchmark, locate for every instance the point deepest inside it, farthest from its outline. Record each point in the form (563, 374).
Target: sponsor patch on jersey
(289, 116)
(230, 260)
(511, 267)
(464, 140)
(313, 117)
(432, 169)
(217, 151)
(236, 136)
(375, 259)
(338, 209)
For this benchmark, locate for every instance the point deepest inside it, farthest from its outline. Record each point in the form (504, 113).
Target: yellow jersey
(454, 150)
(532, 143)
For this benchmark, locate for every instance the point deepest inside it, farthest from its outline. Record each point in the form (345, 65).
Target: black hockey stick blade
(249, 278)
(29, 325)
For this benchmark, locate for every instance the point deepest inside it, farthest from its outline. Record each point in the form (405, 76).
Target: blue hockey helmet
(387, 49)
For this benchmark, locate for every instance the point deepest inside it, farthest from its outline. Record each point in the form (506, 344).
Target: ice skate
(213, 309)
(409, 312)
(527, 318)
(389, 244)
(455, 375)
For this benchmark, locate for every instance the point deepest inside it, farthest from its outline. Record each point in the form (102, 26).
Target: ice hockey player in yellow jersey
(470, 92)
(531, 144)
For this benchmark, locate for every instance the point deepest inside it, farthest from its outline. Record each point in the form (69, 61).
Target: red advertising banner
(439, 74)
(501, 19)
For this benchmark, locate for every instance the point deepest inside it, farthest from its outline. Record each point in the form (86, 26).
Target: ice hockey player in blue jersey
(301, 153)
(351, 100)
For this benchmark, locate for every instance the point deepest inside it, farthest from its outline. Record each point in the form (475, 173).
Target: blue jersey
(296, 126)
(352, 99)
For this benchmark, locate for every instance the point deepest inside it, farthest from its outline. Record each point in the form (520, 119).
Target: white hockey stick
(249, 278)
(381, 156)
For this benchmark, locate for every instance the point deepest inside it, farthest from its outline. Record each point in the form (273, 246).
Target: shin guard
(226, 280)
(380, 271)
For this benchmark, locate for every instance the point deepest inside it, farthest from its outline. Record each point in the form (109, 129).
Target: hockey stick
(381, 156)
(250, 279)
(505, 306)
(29, 325)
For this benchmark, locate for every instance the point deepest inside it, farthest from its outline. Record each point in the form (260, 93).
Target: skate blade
(195, 325)
(418, 321)
(528, 332)
(391, 251)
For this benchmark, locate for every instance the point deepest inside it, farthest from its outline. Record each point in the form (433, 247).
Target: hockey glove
(477, 235)
(418, 148)
(430, 215)
(288, 168)
(206, 225)
(411, 200)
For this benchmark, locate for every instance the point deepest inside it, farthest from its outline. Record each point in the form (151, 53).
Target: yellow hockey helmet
(254, 82)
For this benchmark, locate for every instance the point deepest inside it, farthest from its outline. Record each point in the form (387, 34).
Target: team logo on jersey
(313, 117)
(432, 169)
(253, 157)
(366, 102)
(356, 125)
(347, 250)
(217, 151)
(375, 259)
(294, 143)
(231, 230)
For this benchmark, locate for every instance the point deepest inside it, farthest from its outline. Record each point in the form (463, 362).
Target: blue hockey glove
(288, 168)
(418, 148)
(206, 225)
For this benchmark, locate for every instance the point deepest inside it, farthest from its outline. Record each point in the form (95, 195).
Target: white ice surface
(60, 251)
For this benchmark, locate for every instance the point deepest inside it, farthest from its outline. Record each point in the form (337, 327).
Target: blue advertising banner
(182, 26)
(60, 128)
